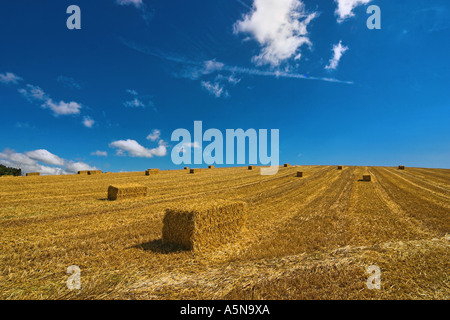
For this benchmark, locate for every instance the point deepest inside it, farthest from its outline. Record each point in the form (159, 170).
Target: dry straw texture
(92, 172)
(126, 191)
(367, 177)
(151, 171)
(401, 167)
(299, 174)
(83, 172)
(205, 224)
(30, 174)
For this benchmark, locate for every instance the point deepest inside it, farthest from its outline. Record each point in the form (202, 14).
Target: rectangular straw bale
(299, 174)
(151, 171)
(401, 167)
(339, 168)
(92, 172)
(251, 167)
(83, 172)
(367, 177)
(30, 174)
(197, 226)
(287, 165)
(125, 191)
(194, 170)
(211, 167)
(186, 168)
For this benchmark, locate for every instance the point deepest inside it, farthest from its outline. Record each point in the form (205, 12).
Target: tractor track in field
(426, 211)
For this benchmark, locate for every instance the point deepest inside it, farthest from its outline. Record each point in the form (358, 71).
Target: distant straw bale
(367, 177)
(30, 174)
(286, 165)
(83, 172)
(339, 167)
(401, 167)
(151, 171)
(126, 191)
(186, 168)
(299, 174)
(251, 167)
(92, 172)
(197, 226)
(194, 171)
(211, 167)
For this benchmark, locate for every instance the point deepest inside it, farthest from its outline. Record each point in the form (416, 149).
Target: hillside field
(305, 238)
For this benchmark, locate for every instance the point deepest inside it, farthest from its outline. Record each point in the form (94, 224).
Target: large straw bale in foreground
(30, 174)
(205, 224)
(126, 191)
(151, 171)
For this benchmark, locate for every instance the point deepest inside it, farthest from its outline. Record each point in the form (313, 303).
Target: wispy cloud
(215, 89)
(69, 82)
(99, 153)
(345, 8)
(35, 93)
(155, 135)
(338, 52)
(42, 161)
(146, 14)
(134, 149)
(279, 26)
(138, 101)
(231, 69)
(9, 78)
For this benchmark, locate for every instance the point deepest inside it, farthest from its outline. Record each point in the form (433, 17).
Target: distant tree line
(7, 171)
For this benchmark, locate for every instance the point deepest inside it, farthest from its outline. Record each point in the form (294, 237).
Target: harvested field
(309, 238)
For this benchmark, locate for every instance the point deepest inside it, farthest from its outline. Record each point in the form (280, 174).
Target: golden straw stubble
(202, 225)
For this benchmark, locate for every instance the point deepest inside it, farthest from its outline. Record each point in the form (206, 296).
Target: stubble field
(305, 238)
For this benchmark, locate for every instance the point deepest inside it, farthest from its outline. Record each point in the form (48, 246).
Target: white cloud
(9, 77)
(46, 157)
(338, 52)
(31, 93)
(136, 3)
(215, 89)
(345, 8)
(135, 103)
(134, 149)
(99, 153)
(132, 92)
(33, 161)
(35, 93)
(154, 135)
(280, 28)
(63, 108)
(88, 122)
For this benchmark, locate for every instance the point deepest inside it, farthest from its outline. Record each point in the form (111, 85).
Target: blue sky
(110, 95)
